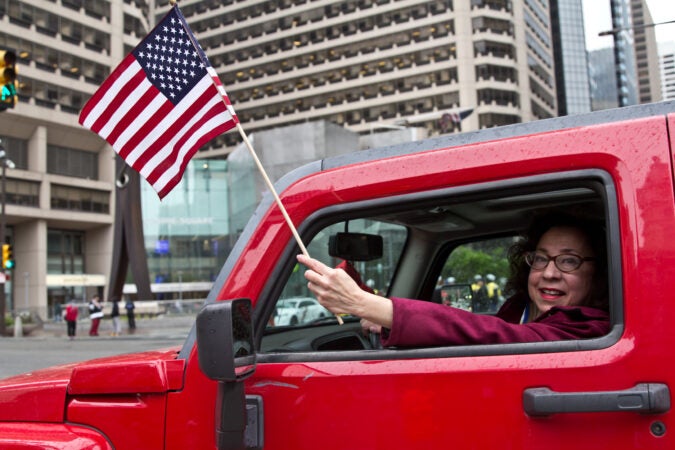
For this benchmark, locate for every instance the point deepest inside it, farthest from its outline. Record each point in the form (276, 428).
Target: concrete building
(60, 196)
(365, 65)
(646, 53)
(667, 69)
(363, 62)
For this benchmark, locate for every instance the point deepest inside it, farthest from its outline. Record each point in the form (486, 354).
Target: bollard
(18, 326)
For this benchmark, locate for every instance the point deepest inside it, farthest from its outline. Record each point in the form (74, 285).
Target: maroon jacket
(422, 324)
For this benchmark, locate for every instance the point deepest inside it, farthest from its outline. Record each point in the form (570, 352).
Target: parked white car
(296, 311)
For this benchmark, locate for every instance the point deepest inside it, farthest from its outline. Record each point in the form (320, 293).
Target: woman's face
(549, 287)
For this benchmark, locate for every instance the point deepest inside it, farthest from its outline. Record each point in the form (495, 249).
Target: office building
(667, 68)
(365, 65)
(646, 53)
(571, 61)
(60, 195)
(602, 74)
(624, 53)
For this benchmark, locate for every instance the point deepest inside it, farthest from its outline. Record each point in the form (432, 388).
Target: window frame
(600, 181)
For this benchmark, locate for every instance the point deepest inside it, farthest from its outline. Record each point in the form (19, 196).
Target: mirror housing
(355, 246)
(225, 345)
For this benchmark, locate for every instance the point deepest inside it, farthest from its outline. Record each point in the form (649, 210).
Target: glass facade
(65, 255)
(572, 79)
(187, 235)
(624, 54)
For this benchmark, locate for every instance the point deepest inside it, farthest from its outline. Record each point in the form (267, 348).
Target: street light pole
(5, 162)
(614, 31)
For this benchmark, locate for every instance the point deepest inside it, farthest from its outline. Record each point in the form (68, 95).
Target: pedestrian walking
(115, 314)
(71, 319)
(95, 314)
(131, 317)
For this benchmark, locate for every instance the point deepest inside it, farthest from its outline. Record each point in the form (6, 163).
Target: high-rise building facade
(602, 73)
(571, 61)
(365, 63)
(60, 195)
(667, 69)
(624, 53)
(646, 53)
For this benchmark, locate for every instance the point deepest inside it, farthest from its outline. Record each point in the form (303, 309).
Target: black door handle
(646, 398)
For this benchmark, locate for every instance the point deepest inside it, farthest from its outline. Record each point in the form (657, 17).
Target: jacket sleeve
(422, 324)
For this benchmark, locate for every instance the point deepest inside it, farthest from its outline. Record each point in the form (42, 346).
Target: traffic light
(7, 79)
(7, 257)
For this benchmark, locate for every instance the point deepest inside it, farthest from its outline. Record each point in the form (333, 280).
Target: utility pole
(3, 223)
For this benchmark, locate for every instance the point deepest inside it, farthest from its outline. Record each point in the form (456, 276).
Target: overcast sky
(597, 18)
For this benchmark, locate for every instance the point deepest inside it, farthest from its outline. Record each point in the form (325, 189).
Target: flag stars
(171, 59)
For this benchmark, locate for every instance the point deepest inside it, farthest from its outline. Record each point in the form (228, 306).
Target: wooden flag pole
(269, 184)
(276, 198)
(226, 101)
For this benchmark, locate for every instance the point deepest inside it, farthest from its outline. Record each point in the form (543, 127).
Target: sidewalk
(171, 326)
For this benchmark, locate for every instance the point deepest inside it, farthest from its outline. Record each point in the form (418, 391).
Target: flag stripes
(157, 109)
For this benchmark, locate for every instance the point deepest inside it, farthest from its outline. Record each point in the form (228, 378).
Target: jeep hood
(41, 396)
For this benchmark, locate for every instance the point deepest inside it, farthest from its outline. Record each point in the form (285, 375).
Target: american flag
(161, 104)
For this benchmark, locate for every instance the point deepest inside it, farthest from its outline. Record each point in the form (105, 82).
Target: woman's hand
(333, 288)
(340, 294)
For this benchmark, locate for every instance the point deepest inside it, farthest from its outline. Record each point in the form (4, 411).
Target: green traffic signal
(7, 257)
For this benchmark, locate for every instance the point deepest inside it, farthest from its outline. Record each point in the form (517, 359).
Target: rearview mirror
(355, 246)
(225, 340)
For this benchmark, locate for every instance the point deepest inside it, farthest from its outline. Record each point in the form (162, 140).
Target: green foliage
(468, 260)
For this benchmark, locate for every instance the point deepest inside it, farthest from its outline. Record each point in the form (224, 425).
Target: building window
(65, 251)
(495, 120)
(17, 151)
(78, 199)
(22, 193)
(71, 162)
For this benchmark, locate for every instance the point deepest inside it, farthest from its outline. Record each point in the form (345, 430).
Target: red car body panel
(123, 396)
(50, 436)
(424, 402)
(35, 397)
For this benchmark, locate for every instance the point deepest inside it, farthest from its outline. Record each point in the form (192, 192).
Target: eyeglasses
(565, 262)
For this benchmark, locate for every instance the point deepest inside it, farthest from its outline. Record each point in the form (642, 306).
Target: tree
(470, 259)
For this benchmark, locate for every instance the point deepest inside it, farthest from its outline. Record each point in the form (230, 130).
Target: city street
(50, 346)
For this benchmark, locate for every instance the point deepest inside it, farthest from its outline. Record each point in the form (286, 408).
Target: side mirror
(355, 246)
(225, 340)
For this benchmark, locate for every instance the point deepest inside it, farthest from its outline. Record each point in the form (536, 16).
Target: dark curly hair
(594, 231)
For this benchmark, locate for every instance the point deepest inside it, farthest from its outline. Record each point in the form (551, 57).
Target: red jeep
(240, 381)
